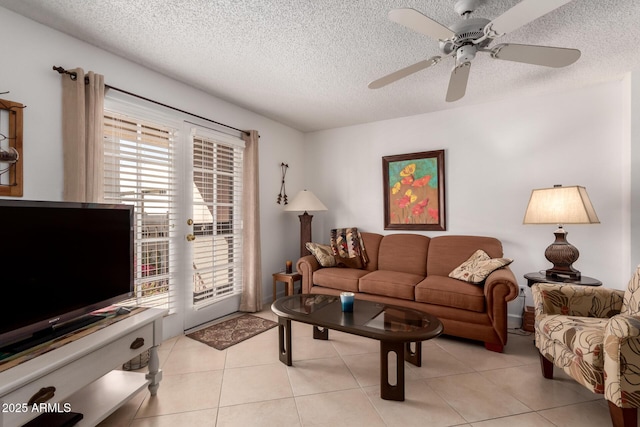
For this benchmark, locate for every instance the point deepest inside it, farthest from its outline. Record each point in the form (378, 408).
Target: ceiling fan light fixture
(466, 53)
(471, 35)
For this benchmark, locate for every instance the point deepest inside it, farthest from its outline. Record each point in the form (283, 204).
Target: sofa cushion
(478, 267)
(405, 253)
(390, 283)
(442, 290)
(448, 252)
(323, 254)
(583, 336)
(345, 279)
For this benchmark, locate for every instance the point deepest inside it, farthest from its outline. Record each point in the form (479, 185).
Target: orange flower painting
(414, 191)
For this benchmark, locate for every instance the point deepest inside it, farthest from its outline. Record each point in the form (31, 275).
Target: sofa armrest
(622, 360)
(501, 283)
(576, 300)
(623, 326)
(306, 266)
(500, 287)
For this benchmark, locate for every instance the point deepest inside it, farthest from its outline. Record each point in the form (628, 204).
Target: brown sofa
(412, 270)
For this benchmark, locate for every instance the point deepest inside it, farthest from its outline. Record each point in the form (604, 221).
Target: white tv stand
(80, 375)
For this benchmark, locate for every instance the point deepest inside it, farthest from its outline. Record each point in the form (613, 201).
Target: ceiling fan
(471, 35)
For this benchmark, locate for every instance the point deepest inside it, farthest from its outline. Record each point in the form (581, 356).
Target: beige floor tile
(476, 398)
(306, 347)
(421, 407)
(260, 350)
(255, 384)
(336, 383)
(183, 360)
(123, 416)
(169, 343)
(534, 390)
(589, 414)
(165, 349)
(182, 393)
(266, 313)
(202, 418)
(437, 362)
(366, 368)
(320, 376)
(531, 419)
(346, 344)
(474, 354)
(339, 408)
(301, 330)
(272, 413)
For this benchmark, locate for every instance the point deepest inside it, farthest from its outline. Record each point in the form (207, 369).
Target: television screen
(61, 260)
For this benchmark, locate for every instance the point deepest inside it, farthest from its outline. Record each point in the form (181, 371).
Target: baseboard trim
(514, 321)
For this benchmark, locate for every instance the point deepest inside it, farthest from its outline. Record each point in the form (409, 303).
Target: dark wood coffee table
(395, 327)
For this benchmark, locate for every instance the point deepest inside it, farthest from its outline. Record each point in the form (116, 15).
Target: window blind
(217, 249)
(139, 170)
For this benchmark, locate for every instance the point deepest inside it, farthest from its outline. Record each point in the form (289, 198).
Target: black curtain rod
(73, 76)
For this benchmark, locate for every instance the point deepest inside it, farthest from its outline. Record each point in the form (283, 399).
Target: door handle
(190, 237)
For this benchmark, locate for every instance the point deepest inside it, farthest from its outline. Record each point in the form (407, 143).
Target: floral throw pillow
(478, 267)
(323, 253)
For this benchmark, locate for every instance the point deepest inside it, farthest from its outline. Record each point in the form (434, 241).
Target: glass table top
(375, 320)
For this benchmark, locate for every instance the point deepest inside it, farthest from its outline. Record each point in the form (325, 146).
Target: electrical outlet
(521, 291)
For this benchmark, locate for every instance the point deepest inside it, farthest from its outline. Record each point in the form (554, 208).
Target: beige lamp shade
(305, 201)
(560, 205)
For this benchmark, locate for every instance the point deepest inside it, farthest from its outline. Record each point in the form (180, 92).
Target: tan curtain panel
(82, 118)
(251, 300)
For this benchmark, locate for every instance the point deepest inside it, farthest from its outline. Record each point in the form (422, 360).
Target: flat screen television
(60, 261)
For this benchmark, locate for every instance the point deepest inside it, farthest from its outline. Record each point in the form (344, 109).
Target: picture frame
(414, 191)
(11, 157)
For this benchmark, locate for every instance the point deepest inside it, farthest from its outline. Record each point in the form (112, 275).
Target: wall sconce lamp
(561, 205)
(305, 201)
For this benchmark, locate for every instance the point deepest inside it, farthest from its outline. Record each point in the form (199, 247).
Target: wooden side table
(289, 279)
(540, 277)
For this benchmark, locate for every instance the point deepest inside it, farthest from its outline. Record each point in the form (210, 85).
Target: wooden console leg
(546, 366)
(623, 417)
(154, 374)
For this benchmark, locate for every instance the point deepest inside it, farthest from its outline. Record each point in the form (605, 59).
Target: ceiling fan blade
(458, 82)
(547, 56)
(397, 75)
(416, 21)
(521, 14)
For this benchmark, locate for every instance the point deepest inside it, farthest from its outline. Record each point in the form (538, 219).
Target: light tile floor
(336, 383)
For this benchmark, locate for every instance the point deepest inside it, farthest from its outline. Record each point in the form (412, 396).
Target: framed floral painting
(414, 196)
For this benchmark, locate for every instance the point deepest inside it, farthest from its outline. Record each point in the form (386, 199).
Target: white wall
(635, 168)
(27, 73)
(495, 154)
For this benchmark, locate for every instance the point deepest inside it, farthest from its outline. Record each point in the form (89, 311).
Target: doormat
(225, 334)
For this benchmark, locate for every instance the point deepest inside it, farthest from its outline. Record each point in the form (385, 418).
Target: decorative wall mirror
(11, 148)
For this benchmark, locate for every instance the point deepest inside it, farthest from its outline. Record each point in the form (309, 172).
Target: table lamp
(305, 201)
(561, 205)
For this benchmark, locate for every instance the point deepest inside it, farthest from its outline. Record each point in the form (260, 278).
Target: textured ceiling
(307, 63)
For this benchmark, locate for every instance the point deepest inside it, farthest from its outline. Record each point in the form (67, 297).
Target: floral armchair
(593, 334)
